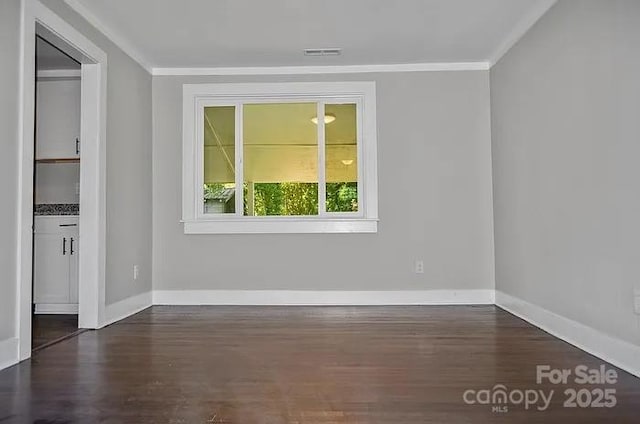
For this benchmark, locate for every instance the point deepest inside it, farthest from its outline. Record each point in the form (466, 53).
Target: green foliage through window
(283, 199)
(290, 199)
(342, 197)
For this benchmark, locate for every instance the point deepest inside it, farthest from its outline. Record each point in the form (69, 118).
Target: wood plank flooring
(48, 329)
(271, 365)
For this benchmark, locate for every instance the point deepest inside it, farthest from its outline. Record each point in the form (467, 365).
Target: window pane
(280, 142)
(341, 158)
(219, 160)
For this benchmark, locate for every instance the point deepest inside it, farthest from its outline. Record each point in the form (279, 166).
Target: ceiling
(251, 33)
(49, 57)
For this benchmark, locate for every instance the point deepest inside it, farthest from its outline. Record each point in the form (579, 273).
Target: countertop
(56, 209)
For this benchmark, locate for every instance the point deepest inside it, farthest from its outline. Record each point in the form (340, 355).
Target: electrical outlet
(636, 301)
(419, 267)
(136, 272)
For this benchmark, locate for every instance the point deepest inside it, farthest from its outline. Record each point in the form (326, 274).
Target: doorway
(56, 190)
(84, 234)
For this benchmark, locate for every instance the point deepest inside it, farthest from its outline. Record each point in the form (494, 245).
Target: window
(279, 158)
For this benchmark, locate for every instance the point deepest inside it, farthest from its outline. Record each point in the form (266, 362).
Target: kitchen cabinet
(58, 119)
(55, 271)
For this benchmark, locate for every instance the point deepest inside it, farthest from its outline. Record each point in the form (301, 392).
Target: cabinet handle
(64, 246)
(68, 225)
(77, 146)
(71, 253)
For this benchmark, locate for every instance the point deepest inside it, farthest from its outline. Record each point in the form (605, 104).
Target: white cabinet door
(55, 261)
(51, 268)
(58, 119)
(73, 269)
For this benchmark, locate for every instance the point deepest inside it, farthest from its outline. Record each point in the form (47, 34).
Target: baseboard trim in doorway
(324, 297)
(56, 308)
(127, 307)
(9, 353)
(617, 352)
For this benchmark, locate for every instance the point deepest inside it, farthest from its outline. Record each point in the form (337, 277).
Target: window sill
(281, 226)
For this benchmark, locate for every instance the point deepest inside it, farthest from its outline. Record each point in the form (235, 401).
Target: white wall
(566, 145)
(434, 189)
(56, 183)
(9, 45)
(128, 164)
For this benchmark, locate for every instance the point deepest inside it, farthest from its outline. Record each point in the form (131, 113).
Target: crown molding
(121, 42)
(330, 69)
(520, 29)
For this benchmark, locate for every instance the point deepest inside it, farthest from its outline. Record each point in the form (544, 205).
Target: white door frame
(92, 245)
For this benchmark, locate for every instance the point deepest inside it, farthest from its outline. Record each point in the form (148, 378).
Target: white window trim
(363, 221)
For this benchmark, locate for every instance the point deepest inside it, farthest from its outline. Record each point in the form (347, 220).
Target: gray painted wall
(56, 183)
(566, 142)
(434, 188)
(9, 44)
(128, 164)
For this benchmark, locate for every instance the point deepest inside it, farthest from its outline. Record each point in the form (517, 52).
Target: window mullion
(239, 153)
(199, 161)
(322, 204)
(362, 162)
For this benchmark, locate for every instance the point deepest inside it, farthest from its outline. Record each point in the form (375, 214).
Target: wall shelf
(58, 160)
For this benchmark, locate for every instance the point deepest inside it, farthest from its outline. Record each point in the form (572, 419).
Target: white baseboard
(9, 353)
(618, 352)
(328, 297)
(56, 308)
(127, 307)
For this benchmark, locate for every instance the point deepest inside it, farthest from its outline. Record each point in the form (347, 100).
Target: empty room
(297, 211)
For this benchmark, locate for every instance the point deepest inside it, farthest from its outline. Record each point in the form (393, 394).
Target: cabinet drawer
(56, 224)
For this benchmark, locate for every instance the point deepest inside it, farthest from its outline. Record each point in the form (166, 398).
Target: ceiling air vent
(322, 52)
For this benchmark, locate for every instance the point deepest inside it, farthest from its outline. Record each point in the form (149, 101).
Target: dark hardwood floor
(244, 365)
(48, 329)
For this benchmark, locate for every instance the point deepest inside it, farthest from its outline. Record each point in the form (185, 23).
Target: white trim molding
(124, 308)
(618, 352)
(323, 297)
(56, 308)
(35, 18)
(281, 226)
(520, 29)
(9, 354)
(197, 97)
(328, 69)
(120, 42)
